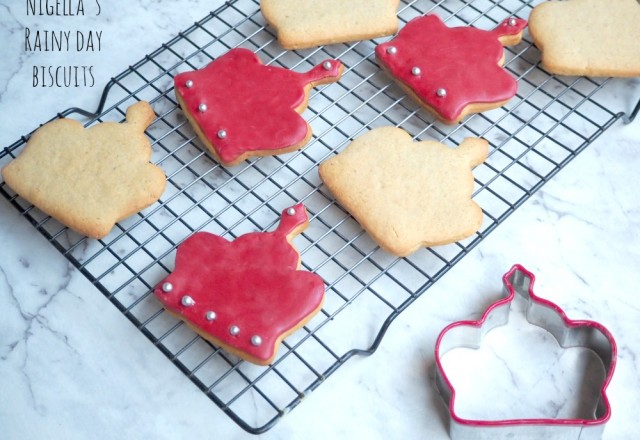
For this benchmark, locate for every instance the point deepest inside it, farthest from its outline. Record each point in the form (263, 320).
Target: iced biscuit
(241, 108)
(452, 72)
(245, 295)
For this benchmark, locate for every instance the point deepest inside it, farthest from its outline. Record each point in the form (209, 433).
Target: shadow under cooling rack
(532, 137)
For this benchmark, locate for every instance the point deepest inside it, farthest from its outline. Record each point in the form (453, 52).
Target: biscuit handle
(475, 150)
(140, 115)
(327, 71)
(292, 220)
(509, 32)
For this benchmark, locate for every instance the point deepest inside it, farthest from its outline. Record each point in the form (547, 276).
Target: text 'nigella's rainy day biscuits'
(241, 108)
(89, 178)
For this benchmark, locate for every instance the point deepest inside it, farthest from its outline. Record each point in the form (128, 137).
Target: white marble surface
(72, 367)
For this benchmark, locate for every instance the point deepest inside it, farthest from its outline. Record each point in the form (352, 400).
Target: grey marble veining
(72, 367)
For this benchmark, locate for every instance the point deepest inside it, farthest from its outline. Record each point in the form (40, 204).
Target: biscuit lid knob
(273, 249)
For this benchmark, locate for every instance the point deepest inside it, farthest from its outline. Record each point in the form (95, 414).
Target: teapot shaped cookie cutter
(569, 333)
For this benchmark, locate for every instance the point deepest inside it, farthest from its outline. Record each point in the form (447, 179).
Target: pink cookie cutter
(569, 333)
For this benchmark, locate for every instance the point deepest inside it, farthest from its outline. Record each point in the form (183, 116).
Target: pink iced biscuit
(240, 108)
(244, 295)
(452, 72)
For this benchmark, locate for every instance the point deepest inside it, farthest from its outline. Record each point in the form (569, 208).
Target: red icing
(251, 282)
(461, 60)
(255, 104)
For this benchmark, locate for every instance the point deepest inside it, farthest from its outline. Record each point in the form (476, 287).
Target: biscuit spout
(509, 32)
(326, 72)
(293, 220)
(140, 115)
(475, 150)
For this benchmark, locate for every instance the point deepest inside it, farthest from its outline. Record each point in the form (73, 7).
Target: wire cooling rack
(532, 137)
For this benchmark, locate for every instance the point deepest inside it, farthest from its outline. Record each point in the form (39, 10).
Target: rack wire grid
(532, 137)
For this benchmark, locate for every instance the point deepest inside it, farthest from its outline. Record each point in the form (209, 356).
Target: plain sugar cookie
(89, 178)
(308, 23)
(588, 37)
(407, 194)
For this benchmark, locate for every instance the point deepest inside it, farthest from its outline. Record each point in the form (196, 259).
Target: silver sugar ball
(202, 108)
(256, 340)
(210, 315)
(187, 301)
(415, 71)
(234, 330)
(167, 287)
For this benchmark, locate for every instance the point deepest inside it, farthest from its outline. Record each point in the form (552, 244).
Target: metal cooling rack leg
(631, 116)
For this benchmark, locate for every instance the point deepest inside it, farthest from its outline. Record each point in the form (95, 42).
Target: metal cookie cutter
(569, 333)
